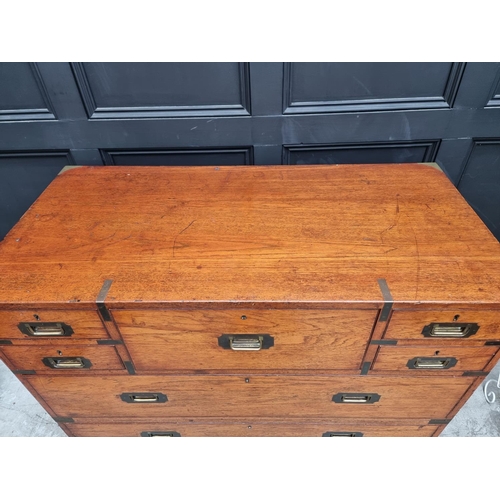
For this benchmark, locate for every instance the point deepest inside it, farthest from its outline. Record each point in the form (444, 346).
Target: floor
(21, 415)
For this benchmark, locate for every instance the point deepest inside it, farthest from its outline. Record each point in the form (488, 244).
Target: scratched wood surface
(250, 233)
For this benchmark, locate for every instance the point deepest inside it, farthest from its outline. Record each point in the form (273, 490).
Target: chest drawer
(249, 428)
(46, 325)
(255, 396)
(459, 327)
(244, 340)
(423, 359)
(63, 359)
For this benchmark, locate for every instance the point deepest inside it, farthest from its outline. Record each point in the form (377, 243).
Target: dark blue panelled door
(55, 114)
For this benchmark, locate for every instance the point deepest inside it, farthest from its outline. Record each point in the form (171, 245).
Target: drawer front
(255, 396)
(63, 359)
(204, 340)
(442, 359)
(56, 325)
(411, 324)
(251, 429)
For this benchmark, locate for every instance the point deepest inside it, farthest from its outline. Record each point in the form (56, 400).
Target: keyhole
(456, 317)
(436, 353)
(59, 353)
(36, 317)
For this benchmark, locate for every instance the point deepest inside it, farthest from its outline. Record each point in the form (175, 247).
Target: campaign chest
(322, 300)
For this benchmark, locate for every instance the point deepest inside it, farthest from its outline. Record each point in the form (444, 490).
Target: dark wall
(56, 114)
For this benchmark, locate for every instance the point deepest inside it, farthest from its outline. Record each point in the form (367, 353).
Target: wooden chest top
(310, 234)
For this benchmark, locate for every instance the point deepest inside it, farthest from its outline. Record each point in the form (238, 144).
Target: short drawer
(253, 396)
(63, 359)
(443, 359)
(243, 340)
(161, 428)
(444, 326)
(46, 325)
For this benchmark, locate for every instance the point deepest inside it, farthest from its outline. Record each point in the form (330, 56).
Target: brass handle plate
(67, 363)
(356, 398)
(143, 397)
(39, 329)
(431, 363)
(450, 330)
(343, 434)
(246, 342)
(160, 434)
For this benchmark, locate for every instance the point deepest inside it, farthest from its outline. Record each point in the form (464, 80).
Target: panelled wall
(57, 114)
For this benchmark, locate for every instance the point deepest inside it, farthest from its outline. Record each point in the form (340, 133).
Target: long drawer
(245, 340)
(252, 396)
(166, 428)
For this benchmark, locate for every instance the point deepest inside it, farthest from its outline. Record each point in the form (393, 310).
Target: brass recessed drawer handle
(450, 330)
(343, 434)
(143, 397)
(431, 363)
(246, 342)
(160, 434)
(356, 398)
(67, 363)
(38, 329)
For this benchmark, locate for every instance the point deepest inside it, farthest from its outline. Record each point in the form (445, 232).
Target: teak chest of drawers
(329, 300)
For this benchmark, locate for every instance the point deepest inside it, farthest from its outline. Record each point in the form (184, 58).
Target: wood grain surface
(261, 396)
(250, 233)
(303, 339)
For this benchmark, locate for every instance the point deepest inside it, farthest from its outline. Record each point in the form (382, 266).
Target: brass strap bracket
(63, 420)
(130, 367)
(365, 368)
(388, 300)
(439, 421)
(383, 342)
(475, 374)
(101, 298)
(109, 342)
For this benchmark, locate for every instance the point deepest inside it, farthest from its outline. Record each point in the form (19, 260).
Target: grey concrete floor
(20, 412)
(21, 415)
